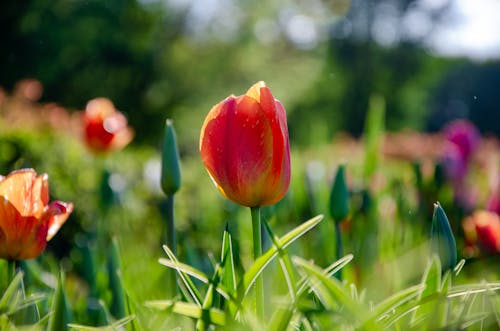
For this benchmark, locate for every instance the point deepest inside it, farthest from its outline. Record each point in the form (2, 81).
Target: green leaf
(285, 262)
(396, 300)
(281, 319)
(329, 271)
(115, 281)
(333, 294)
(227, 262)
(61, 314)
(259, 265)
(187, 270)
(188, 284)
(118, 325)
(11, 296)
(374, 128)
(216, 316)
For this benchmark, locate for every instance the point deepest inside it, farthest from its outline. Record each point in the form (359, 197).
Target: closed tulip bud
(244, 146)
(27, 219)
(339, 196)
(442, 240)
(170, 161)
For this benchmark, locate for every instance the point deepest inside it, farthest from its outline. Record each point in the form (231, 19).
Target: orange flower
(27, 220)
(245, 148)
(105, 127)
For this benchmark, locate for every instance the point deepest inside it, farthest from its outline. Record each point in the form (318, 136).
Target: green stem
(338, 248)
(257, 252)
(11, 270)
(171, 243)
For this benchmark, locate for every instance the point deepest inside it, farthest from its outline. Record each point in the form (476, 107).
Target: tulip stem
(257, 252)
(338, 248)
(171, 243)
(11, 271)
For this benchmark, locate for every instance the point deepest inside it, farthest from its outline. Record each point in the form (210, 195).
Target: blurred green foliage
(158, 59)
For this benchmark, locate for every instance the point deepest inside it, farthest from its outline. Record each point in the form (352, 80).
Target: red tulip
(27, 219)
(105, 127)
(245, 148)
(488, 229)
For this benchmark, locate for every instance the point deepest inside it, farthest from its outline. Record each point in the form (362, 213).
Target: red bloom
(245, 148)
(483, 228)
(27, 220)
(105, 127)
(488, 230)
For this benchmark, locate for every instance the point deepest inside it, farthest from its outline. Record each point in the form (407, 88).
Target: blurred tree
(468, 91)
(84, 49)
(374, 49)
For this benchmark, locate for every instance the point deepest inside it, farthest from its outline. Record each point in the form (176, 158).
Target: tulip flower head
(105, 127)
(245, 147)
(27, 219)
(464, 135)
(483, 228)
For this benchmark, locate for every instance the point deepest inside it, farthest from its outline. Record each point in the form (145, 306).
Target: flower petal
(26, 191)
(57, 213)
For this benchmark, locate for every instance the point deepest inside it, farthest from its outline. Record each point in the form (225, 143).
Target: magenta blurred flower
(493, 203)
(464, 135)
(454, 163)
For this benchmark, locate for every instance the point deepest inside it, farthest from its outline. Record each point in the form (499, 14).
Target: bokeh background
(432, 60)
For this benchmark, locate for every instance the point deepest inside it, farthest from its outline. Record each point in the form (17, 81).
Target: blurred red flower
(105, 127)
(27, 219)
(245, 147)
(483, 228)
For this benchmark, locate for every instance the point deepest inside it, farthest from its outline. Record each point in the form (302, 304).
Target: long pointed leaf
(189, 309)
(259, 265)
(334, 293)
(193, 291)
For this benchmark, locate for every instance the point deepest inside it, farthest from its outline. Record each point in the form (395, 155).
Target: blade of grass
(259, 265)
(189, 310)
(189, 286)
(334, 293)
(285, 262)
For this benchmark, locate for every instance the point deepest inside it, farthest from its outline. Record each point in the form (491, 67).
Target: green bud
(442, 240)
(339, 196)
(170, 161)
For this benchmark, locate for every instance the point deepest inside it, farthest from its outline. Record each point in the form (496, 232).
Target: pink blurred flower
(454, 163)
(29, 88)
(464, 135)
(493, 203)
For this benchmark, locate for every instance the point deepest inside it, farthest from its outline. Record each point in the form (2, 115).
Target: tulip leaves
(224, 281)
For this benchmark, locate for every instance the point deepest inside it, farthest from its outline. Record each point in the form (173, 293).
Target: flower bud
(170, 161)
(442, 240)
(339, 196)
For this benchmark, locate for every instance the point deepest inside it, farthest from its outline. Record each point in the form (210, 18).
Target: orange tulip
(27, 219)
(105, 127)
(245, 148)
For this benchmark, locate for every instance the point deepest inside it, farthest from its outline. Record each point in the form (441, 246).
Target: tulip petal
(57, 213)
(25, 191)
(280, 170)
(20, 236)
